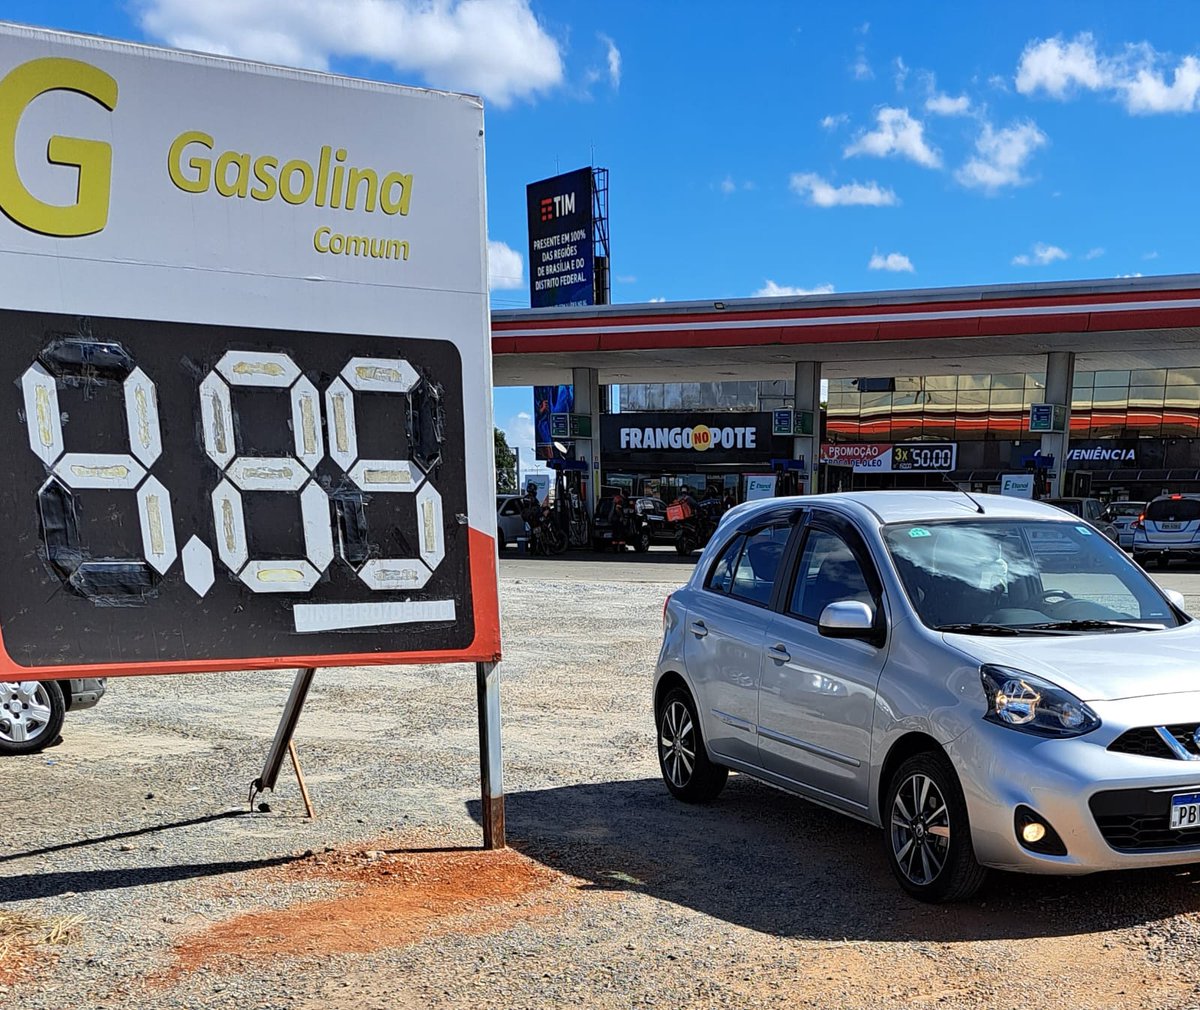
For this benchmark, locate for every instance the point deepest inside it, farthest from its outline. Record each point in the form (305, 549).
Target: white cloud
(1095, 253)
(854, 194)
(896, 262)
(1000, 156)
(518, 431)
(614, 61)
(833, 122)
(1153, 255)
(899, 134)
(1042, 255)
(1142, 78)
(1125, 276)
(1059, 67)
(496, 48)
(625, 279)
(773, 290)
(654, 300)
(901, 73)
(861, 69)
(941, 104)
(506, 267)
(728, 185)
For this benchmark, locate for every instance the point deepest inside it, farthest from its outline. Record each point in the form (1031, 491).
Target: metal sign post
(283, 738)
(491, 769)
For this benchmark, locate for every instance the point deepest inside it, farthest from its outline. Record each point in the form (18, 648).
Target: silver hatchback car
(992, 682)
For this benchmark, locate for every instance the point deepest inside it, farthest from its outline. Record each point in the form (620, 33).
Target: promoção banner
(245, 336)
(561, 265)
(887, 457)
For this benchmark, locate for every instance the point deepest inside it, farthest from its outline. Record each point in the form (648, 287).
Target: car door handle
(698, 629)
(779, 654)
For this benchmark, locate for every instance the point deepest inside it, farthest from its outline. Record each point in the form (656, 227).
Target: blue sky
(781, 147)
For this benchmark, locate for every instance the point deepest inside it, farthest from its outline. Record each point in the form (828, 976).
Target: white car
(32, 711)
(509, 524)
(991, 681)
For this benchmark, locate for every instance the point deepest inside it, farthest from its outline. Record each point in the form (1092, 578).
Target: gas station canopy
(1144, 322)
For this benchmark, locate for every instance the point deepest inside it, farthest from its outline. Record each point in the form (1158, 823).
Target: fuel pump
(570, 498)
(789, 477)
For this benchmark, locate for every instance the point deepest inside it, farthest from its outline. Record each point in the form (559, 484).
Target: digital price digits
(241, 474)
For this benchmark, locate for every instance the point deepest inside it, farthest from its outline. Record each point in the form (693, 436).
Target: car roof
(913, 506)
(1175, 495)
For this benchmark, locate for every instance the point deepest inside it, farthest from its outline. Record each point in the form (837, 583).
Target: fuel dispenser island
(570, 500)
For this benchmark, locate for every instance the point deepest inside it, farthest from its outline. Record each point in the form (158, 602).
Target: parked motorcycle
(694, 524)
(546, 537)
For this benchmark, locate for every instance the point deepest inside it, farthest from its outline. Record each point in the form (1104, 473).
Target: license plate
(605, 536)
(1170, 526)
(1185, 811)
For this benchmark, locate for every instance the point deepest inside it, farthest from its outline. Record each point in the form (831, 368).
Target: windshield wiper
(1092, 624)
(990, 629)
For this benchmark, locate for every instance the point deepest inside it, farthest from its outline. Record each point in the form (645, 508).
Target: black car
(654, 511)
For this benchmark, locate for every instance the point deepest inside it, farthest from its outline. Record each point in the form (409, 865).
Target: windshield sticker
(917, 531)
(1084, 530)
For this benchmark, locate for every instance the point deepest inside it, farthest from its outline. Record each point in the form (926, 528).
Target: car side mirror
(1176, 598)
(847, 619)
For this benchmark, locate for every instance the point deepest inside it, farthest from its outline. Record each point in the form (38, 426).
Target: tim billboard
(561, 265)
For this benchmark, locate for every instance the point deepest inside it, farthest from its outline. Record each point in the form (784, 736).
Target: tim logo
(557, 206)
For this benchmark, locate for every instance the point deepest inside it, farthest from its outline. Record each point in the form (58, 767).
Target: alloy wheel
(24, 711)
(677, 743)
(920, 829)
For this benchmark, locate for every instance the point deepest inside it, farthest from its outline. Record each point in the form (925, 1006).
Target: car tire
(927, 834)
(685, 545)
(688, 773)
(31, 715)
(641, 542)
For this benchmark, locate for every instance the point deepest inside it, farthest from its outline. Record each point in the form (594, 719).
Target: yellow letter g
(89, 213)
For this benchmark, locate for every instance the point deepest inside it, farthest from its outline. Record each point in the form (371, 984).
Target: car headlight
(1030, 704)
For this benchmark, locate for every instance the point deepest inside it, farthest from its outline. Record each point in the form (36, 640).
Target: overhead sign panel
(245, 335)
(561, 251)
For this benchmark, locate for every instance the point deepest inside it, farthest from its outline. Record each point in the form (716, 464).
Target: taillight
(1140, 522)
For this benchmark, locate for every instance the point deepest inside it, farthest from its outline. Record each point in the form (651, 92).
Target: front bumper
(1081, 789)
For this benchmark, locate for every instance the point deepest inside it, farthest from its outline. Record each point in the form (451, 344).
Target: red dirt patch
(390, 899)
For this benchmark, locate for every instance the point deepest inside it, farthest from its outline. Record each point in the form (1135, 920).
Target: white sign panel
(272, 285)
(760, 485)
(1017, 485)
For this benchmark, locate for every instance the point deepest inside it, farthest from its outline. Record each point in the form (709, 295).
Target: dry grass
(18, 930)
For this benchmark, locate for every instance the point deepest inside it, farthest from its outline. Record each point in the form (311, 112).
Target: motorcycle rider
(531, 507)
(686, 498)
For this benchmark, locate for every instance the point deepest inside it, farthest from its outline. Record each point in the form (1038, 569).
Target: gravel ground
(137, 822)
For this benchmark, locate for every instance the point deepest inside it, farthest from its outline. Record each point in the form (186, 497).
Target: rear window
(1125, 508)
(1074, 507)
(1174, 510)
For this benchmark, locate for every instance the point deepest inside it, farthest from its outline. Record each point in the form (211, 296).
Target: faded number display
(181, 492)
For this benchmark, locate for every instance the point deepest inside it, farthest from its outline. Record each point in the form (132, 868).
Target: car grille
(1146, 741)
(1137, 820)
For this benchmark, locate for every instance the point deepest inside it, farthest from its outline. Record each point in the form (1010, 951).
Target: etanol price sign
(246, 393)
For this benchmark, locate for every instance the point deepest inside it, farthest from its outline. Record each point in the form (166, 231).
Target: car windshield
(1020, 576)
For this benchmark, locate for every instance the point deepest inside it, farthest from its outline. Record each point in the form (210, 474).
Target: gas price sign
(245, 385)
(217, 503)
(924, 457)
